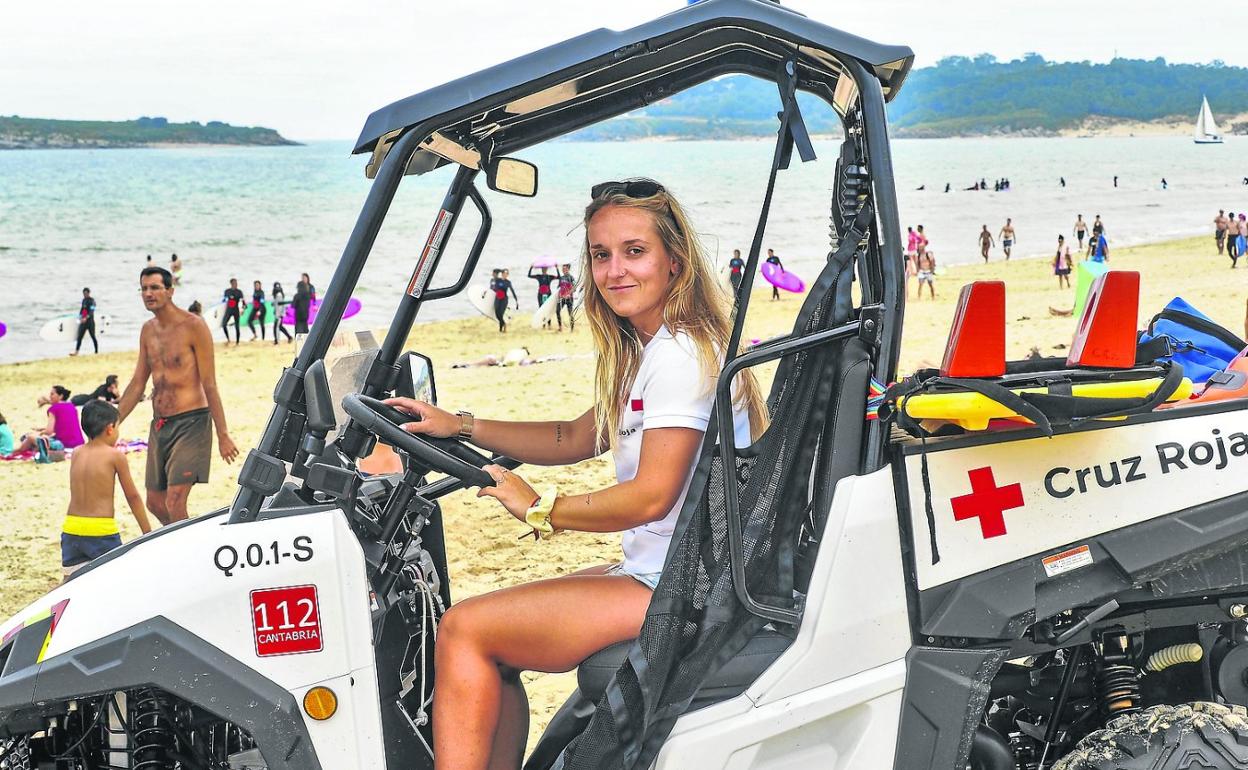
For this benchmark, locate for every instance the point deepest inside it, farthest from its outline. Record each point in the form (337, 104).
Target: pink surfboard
(3, 329)
(546, 262)
(353, 307)
(782, 279)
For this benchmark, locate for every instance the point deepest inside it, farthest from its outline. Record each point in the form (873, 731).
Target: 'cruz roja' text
(1172, 456)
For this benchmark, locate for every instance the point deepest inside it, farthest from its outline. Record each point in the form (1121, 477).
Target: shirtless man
(1220, 223)
(985, 243)
(1007, 238)
(175, 351)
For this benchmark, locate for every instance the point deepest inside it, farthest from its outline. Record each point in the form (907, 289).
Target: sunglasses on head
(633, 188)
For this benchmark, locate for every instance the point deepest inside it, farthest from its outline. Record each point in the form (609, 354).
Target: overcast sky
(314, 69)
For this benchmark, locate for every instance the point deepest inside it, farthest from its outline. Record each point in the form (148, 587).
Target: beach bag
(1183, 334)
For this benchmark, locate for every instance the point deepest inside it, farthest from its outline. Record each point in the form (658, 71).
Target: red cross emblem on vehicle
(987, 502)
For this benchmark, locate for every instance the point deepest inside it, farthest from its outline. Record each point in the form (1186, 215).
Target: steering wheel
(447, 455)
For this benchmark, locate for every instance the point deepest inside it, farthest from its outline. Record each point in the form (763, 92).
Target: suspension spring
(1118, 688)
(154, 740)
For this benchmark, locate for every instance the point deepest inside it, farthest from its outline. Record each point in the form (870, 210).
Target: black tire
(1199, 736)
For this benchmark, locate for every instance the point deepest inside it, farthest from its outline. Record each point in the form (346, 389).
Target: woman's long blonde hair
(695, 305)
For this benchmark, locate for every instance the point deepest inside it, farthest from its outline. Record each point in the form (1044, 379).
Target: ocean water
(75, 218)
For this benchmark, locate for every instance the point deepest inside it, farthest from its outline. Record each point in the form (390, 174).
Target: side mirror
(512, 176)
(416, 378)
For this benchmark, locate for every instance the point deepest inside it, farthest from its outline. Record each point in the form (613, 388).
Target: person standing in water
(1061, 263)
(567, 285)
(774, 260)
(86, 321)
(736, 268)
(278, 297)
(1080, 230)
(233, 299)
(544, 280)
(1007, 237)
(175, 268)
(985, 243)
(176, 354)
(257, 310)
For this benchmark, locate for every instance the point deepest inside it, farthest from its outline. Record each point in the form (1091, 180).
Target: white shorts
(647, 579)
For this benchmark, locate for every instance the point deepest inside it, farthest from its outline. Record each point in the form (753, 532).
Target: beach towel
(126, 447)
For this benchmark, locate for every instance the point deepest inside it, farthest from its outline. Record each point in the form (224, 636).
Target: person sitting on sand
(6, 437)
(660, 325)
(62, 430)
(90, 530)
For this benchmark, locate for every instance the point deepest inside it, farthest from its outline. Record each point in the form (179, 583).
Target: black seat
(731, 680)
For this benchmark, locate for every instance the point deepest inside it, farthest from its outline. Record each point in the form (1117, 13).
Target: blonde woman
(660, 324)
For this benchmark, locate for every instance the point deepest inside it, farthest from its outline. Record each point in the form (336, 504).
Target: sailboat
(1206, 131)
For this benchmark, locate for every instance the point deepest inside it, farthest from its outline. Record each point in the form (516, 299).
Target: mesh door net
(695, 621)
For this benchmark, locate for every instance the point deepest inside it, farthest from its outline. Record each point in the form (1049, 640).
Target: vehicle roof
(561, 88)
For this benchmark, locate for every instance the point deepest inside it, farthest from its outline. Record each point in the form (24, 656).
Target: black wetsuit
(257, 313)
(86, 323)
(567, 284)
(233, 299)
(737, 266)
(775, 291)
(303, 307)
(501, 286)
(279, 311)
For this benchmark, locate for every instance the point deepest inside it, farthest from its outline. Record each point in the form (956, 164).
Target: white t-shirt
(670, 392)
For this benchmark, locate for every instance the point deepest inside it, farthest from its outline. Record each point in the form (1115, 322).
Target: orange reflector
(1106, 335)
(976, 346)
(320, 703)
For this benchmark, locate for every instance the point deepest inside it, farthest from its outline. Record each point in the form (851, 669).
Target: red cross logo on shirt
(987, 502)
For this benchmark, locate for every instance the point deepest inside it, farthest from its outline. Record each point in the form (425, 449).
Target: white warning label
(1067, 561)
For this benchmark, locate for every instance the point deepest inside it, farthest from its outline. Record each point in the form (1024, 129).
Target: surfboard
(782, 279)
(544, 314)
(268, 313)
(65, 328)
(3, 329)
(546, 261)
(481, 297)
(353, 307)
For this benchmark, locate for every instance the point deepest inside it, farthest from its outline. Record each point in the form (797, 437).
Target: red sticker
(286, 621)
(987, 502)
(637, 405)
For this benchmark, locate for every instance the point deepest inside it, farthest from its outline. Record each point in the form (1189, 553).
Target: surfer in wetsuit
(86, 321)
(773, 259)
(303, 305)
(257, 310)
(233, 299)
(567, 284)
(735, 267)
(502, 285)
(278, 297)
(544, 280)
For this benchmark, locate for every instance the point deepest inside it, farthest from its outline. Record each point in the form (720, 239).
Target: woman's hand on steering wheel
(513, 492)
(432, 421)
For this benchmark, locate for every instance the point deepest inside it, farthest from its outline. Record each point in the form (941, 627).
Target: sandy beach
(482, 539)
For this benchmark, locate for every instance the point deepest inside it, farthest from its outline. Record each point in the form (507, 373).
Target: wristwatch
(466, 424)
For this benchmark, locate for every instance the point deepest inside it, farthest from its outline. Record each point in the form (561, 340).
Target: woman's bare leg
(551, 625)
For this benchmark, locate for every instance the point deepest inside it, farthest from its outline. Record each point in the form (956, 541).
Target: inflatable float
(268, 313)
(782, 279)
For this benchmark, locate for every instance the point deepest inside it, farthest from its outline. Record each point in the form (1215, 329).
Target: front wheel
(1208, 736)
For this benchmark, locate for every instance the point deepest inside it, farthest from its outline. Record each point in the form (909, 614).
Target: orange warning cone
(976, 346)
(1106, 334)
